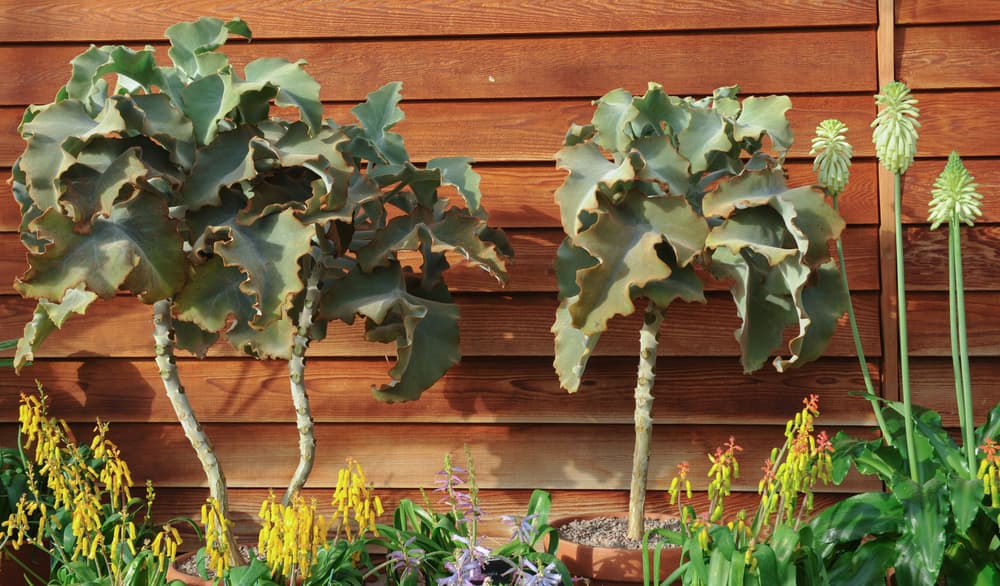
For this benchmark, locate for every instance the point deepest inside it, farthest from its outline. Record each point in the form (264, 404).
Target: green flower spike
(895, 125)
(954, 195)
(833, 155)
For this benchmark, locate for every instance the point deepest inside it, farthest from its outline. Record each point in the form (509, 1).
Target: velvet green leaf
(425, 331)
(207, 101)
(295, 86)
(588, 171)
(705, 133)
(569, 260)
(747, 190)
(48, 317)
(193, 339)
(157, 117)
(192, 44)
(90, 191)
(824, 303)
(612, 119)
(54, 137)
(227, 161)
(765, 115)
(136, 247)
(457, 172)
(275, 340)
(377, 115)
(664, 164)
(624, 240)
(87, 83)
(213, 295)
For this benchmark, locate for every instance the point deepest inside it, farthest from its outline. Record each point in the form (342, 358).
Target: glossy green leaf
(920, 548)
(867, 566)
(850, 520)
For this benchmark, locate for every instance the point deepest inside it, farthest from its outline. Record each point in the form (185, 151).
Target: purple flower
(467, 567)
(406, 560)
(523, 528)
(530, 575)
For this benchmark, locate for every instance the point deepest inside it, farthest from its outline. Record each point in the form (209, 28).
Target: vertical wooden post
(886, 63)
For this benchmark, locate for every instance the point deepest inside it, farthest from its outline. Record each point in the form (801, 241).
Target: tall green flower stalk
(895, 138)
(832, 165)
(955, 202)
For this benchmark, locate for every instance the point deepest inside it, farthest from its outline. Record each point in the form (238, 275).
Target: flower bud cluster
(217, 529)
(895, 135)
(290, 536)
(833, 156)
(356, 504)
(954, 196)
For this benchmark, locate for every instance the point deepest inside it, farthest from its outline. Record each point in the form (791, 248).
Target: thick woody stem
(163, 336)
(297, 385)
(648, 342)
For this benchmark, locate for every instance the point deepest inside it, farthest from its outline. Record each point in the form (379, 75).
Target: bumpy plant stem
(296, 380)
(163, 336)
(859, 350)
(968, 424)
(649, 340)
(904, 347)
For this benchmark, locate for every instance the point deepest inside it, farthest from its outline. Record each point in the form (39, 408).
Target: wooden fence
(501, 82)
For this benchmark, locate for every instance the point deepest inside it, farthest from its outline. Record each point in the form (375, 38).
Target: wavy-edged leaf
(377, 114)
(824, 303)
(48, 317)
(458, 172)
(207, 101)
(570, 259)
(195, 340)
(227, 161)
(612, 119)
(588, 171)
(295, 86)
(664, 164)
(90, 191)
(87, 82)
(624, 240)
(275, 340)
(159, 118)
(136, 247)
(213, 295)
(425, 331)
(765, 115)
(750, 189)
(192, 44)
(704, 134)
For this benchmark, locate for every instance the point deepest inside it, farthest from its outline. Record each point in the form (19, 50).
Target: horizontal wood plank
(532, 130)
(540, 67)
(532, 269)
(495, 503)
(926, 265)
(934, 383)
(491, 325)
(927, 316)
(938, 57)
(940, 11)
(919, 180)
(954, 121)
(524, 456)
(521, 195)
(115, 20)
(478, 390)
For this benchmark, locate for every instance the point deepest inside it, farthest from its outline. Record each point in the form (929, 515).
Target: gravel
(611, 531)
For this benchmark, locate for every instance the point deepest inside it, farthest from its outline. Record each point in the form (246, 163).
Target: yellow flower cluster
(164, 546)
(989, 471)
(290, 535)
(724, 468)
(355, 497)
(93, 486)
(217, 528)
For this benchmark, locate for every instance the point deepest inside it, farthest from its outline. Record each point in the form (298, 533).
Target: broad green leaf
(193, 339)
(991, 427)
(274, 340)
(760, 229)
(377, 115)
(966, 496)
(854, 518)
(652, 110)
(54, 137)
(624, 240)
(457, 172)
(612, 121)
(213, 295)
(865, 566)
(750, 189)
(683, 284)
(295, 87)
(49, 316)
(920, 548)
(207, 101)
(664, 164)
(824, 303)
(137, 247)
(425, 331)
(192, 44)
(570, 259)
(573, 348)
(87, 83)
(588, 171)
(811, 221)
(92, 191)
(227, 161)
(705, 133)
(762, 115)
(157, 117)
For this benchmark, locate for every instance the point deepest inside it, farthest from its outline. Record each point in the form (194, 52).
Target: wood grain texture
(491, 325)
(953, 120)
(115, 20)
(531, 271)
(521, 195)
(941, 11)
(937, 57)
(927, 258)
(536, 67)
(934, 383)
(928, 321)
(530, 130)
(919, 180)
(479, 390)
(523, 456)
(495, 504)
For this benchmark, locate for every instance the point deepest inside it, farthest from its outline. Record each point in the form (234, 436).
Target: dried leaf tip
(954, 195)
(895, 135)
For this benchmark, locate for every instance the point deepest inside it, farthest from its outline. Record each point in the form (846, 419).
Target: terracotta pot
(174, 574)
(607, 565)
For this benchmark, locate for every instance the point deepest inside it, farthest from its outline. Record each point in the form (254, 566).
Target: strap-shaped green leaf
(425, 331)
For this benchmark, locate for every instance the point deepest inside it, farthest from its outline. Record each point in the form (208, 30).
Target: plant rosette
(584, 557)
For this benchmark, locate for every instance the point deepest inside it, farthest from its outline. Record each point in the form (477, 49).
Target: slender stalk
(963, 347)
(904, 347)
(859, 351)
(649, 340)
(956, 364)
(163, 335)
(296, 380)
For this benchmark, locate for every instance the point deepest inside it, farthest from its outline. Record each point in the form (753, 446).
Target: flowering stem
(296, 378)
(956, 364)
(648, 342)
(163, 335)
(869, 387)
(904, 357)
(955, 238)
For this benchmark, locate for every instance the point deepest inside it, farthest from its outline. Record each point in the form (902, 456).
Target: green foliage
(658, 184)
(178, 184)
